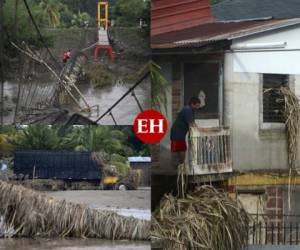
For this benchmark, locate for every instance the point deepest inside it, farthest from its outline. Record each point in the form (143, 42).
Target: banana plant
(159, 86)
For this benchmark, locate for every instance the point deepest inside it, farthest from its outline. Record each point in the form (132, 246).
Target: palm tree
(51, 9)
(158, 87)
(81, 20)
(43, 137)
(96, 138)
(104, 139)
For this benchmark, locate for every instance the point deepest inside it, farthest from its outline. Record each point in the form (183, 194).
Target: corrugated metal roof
(170, 15)
(139, 159)
(245, 9)
(217, 31)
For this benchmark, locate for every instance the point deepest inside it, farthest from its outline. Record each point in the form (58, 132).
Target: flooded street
(70, 244)
(99, 98)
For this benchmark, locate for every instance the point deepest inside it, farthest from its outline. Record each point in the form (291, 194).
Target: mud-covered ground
(134, 199)
(136, 203)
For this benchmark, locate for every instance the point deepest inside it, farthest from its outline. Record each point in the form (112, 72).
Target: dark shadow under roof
(247, 9)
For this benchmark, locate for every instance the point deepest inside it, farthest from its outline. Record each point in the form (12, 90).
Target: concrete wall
(256, 145)
(281, 60)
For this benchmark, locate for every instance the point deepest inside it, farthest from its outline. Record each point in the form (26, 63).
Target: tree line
(67, 14)
(117, 142)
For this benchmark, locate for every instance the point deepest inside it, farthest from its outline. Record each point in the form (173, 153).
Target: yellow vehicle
(110, 182)
(129, 181)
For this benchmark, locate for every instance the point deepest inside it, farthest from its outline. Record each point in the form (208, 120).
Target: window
(273, 103)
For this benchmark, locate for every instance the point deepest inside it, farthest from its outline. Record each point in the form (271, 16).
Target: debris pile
(204, 219)
(33, 214)
(130, 177)
(291, 113)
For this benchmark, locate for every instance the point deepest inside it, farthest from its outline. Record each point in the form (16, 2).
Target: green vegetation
(129, 12)
(117, 142)
(98, 74)
(47, 14)
(158, 87)
(42, 137)
(18, 26)
(66, 14)
(81, 20)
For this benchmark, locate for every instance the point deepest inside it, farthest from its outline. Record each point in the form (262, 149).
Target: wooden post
(33, 173)
(1, 62)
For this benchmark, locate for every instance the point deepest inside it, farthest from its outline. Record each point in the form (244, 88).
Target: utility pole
(1, 63)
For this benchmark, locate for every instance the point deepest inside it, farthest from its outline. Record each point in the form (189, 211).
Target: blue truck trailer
(63, 165)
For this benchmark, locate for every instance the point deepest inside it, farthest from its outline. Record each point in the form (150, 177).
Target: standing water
(70, 244)
(99, 98)
(125, 112)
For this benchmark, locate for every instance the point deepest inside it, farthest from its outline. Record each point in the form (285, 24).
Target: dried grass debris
(204, 219)
(33, 214)
(291, 113)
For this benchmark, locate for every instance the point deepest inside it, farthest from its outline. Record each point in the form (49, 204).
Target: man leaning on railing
(184, 120)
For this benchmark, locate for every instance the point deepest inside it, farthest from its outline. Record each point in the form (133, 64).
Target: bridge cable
(40, 35)
(124, 95)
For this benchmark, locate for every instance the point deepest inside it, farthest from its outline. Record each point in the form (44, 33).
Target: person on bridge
(66, 56)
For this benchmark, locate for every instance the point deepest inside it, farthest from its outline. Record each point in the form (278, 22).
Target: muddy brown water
(126, 111)
(99, 98)
(70, 244)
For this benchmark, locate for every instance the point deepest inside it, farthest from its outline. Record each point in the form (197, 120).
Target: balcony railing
(209, 151)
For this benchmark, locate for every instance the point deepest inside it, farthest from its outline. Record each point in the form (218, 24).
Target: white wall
(254, 147)
(281, 61)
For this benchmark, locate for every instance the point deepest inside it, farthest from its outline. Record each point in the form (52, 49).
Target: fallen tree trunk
(33, 214)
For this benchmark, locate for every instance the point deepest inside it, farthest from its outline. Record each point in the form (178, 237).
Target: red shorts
(178, 146)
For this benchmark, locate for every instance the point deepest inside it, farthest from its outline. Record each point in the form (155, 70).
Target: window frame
(220, 116)
(277, 126)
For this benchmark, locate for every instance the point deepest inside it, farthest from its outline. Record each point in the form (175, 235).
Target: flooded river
(127, 109)
(99, 98)
(70, 244)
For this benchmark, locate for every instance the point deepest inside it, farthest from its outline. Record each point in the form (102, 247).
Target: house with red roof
(238, 66)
